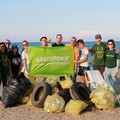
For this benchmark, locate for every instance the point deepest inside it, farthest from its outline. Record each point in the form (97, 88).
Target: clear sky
(32, 19)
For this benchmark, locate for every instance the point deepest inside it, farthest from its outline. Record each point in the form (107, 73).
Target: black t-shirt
(15, 62)
(56, 45)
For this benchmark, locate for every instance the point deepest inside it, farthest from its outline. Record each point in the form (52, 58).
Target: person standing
(83, 63)
(25, 60)
(98, 50)
(58, 41)
(111, 62)
(15, 62)
(43, 41)
(58, 44)
(7, 44)
(73, 43)
(4, 64)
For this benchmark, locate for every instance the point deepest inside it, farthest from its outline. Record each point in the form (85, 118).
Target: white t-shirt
(83, 52)
(25, 57)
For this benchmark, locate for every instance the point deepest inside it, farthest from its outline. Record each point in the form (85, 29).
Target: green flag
(47, 61)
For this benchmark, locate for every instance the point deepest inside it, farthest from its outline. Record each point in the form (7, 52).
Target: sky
(32, 19)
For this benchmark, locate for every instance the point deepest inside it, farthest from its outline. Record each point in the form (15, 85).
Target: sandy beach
(23, 112)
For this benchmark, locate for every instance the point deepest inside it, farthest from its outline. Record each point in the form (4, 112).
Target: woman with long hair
(4, 64)
(111, 62)
(15, 62)
(25, 59)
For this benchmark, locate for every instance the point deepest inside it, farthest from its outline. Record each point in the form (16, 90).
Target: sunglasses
(110, 44)
(25, 44)
(7, 43)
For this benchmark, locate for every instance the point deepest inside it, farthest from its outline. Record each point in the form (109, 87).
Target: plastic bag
(10, 95)
(29, 103)
(15, 90)
(52, 80)
(74, 107)
(103, 98)
(26, 97)
(55, 90)
(54, 103)
(65, 94)
(67, 83)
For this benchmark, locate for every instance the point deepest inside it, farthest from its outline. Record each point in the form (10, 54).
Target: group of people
(106, 58)
(11, 61)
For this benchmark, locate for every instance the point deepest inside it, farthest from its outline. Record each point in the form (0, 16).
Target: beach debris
(40, 93)
(65, 94)
(103, 98)
(52, 80)
(79, 91)
(15, 90)
(67, 83)
(54, 103)
(74, 107)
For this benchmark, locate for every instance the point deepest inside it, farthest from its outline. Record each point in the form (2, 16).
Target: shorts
(82, 70)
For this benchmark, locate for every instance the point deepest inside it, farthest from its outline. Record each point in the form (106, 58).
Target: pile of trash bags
(57, 95)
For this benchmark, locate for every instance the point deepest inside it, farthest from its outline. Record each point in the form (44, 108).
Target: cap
(14, 46)
(98, 36)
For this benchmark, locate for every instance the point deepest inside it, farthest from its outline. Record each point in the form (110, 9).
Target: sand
(23, 112)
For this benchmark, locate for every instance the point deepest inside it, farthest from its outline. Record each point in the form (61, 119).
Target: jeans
(4, 79)
(110, 76)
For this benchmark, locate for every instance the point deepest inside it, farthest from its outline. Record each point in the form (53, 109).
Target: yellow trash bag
(26, 96)
(67, 83)
(54, 103)
(29, 103)
(74, 107)
(103, 98)
(52, 80)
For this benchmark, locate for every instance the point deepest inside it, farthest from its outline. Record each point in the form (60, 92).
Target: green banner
(47, 61)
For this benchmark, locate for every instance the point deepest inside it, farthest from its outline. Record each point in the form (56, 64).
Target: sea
(88, 44)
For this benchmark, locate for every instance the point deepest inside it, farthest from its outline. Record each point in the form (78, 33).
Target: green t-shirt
(110, 58)
(99, 54)
(4, 63)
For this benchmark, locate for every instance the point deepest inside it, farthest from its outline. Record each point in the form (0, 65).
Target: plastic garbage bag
(15, 90)
(103, 98)
(55, 90)
(31, 88)
(52, 80)
(54, 103)
(74, 107)
(67, 83)
(24, 82)
(29, 103)
(10, 95)
(65, 94)
(27, 96)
